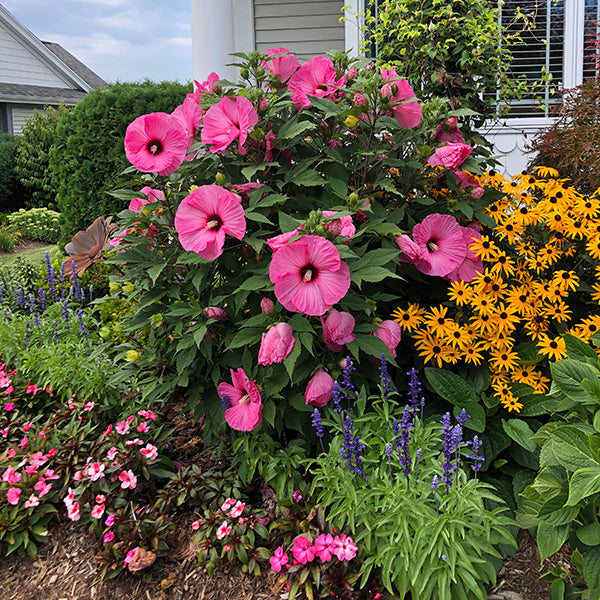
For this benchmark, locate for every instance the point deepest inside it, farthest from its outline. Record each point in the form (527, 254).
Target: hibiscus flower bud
(132, 355)
(220, 179)
(351, 121)
(267, 306)
(276, 344)
(216, 313)
(338, 330)
(319, 390)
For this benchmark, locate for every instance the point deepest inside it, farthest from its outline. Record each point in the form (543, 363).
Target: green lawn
(35, 255)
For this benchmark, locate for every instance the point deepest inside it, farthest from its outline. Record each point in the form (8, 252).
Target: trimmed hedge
(88, 156)
(11, 190)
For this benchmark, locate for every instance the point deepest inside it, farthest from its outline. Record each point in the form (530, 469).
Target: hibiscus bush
(265, 250)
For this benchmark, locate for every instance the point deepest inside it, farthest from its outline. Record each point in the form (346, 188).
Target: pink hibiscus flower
(206, 216)
(227, 121)
(189, 116)
(282, 67)
(245, 404)
(390, 333)
(438, 247)
(448, 131)
(450, 156)
(276, 344)
(156, 142)
(319, 390)
(472, 266)
(405, 107)
(281, 240)
(316, 77)
(135, 205)
(342, 226)
(309, 275)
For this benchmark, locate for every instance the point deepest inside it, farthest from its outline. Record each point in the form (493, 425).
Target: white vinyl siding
(20, 65)
(305, 27)
(19, 116)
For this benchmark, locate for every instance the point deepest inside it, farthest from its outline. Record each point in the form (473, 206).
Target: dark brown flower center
(432, 245)
(309, 272)
(214, 223)
(154, 147)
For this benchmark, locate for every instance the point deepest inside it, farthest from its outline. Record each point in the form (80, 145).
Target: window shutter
(591, 56)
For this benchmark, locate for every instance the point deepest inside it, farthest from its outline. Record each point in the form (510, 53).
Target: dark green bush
(33, 158)
(88, 154)
(36, 224)
(11, 190)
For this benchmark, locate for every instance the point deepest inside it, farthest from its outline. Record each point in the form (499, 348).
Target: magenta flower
(155, 142)
(303, 550)
(282, 67)
(279, 559)
(245, 411)
(448, 131)
(338, 329)
(309, 275)
(10, 475)
(109, 536)
(438, 247)
(450, 156)
(135, 205)
(281, 240)
(238, 509)
(319, 390)
(216, 313)
(98, 511)
(224, 529)
(316, 77)
(342, 226)
(227, 121)
(12, 495)
(324, 546)
(389, 332)
(189, 116)
(205, 217)
(149, 451)
(405, 107)
(471, 266)
(276, 344)
(128, 479)
(344, 547)
(267, 306)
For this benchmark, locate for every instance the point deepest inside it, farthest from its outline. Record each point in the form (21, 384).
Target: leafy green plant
(563, 499)
(8, 239)
(425, 530)
(36, 224)
(32, 161)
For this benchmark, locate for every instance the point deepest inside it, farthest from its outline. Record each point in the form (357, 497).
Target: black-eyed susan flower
(437, 322)
(409, 318)
(432, 349)
(525, 374)
(511, 403)
(503, 264)
(566, 280)
(557, 311)
(472, 353)
(484, 248)
(554, 348)
(460, 292)
(504, 359)
(505, 317)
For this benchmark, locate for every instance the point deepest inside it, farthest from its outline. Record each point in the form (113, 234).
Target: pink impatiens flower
(228, 504)
(238, 509)
(98, 511)
(309, 275)
(96, 471)
(451, 156)
(205, 217)
(438, 245)
(224, 529)
(109, 536)
(156, 142)
(279, 559)
(319, 390)
(122, 427)
(32, 388)
(405, 107)
(338, 329)
(316, 77)
(390, 333)
(149, 451)
(276, 344)
(245, 404)
(344, 547)
(12, 495)
(230, 119)
(324, 546)
(303, 550)
(128, 480)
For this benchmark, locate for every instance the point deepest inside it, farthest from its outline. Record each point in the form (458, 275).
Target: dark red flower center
(154, 147)
(432, 245)
(214, 223)
(309, 272)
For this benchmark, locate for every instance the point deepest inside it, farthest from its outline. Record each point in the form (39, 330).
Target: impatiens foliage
(272, 252)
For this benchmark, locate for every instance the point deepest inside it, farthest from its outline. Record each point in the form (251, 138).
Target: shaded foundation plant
(407, 490)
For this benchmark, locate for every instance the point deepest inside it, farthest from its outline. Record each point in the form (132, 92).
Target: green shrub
(88, 154)
(33, 158)
(8, 239)
(39, 224)
(11, 191)
(22, 275)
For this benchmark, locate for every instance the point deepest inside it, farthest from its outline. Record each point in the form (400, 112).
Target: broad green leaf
(589, 534)
(372, 274)
(477, 413)
(245, 337)
(519, 431)
(550, 539)
(293, 128)
(155, 271)
(308, 178)
(573, 449)
(567, 376)
(451, 387)
(585, 482)
(579, 350)
(256, 282)
(591, 570)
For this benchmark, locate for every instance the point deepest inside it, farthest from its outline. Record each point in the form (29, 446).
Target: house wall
(20, 114)
(306, 27)
(20, 65)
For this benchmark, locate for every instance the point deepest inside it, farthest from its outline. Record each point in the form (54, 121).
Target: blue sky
(125, 40)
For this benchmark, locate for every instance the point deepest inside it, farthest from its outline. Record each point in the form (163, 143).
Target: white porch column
(212, 38)
(355, 20)
(573, 44)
